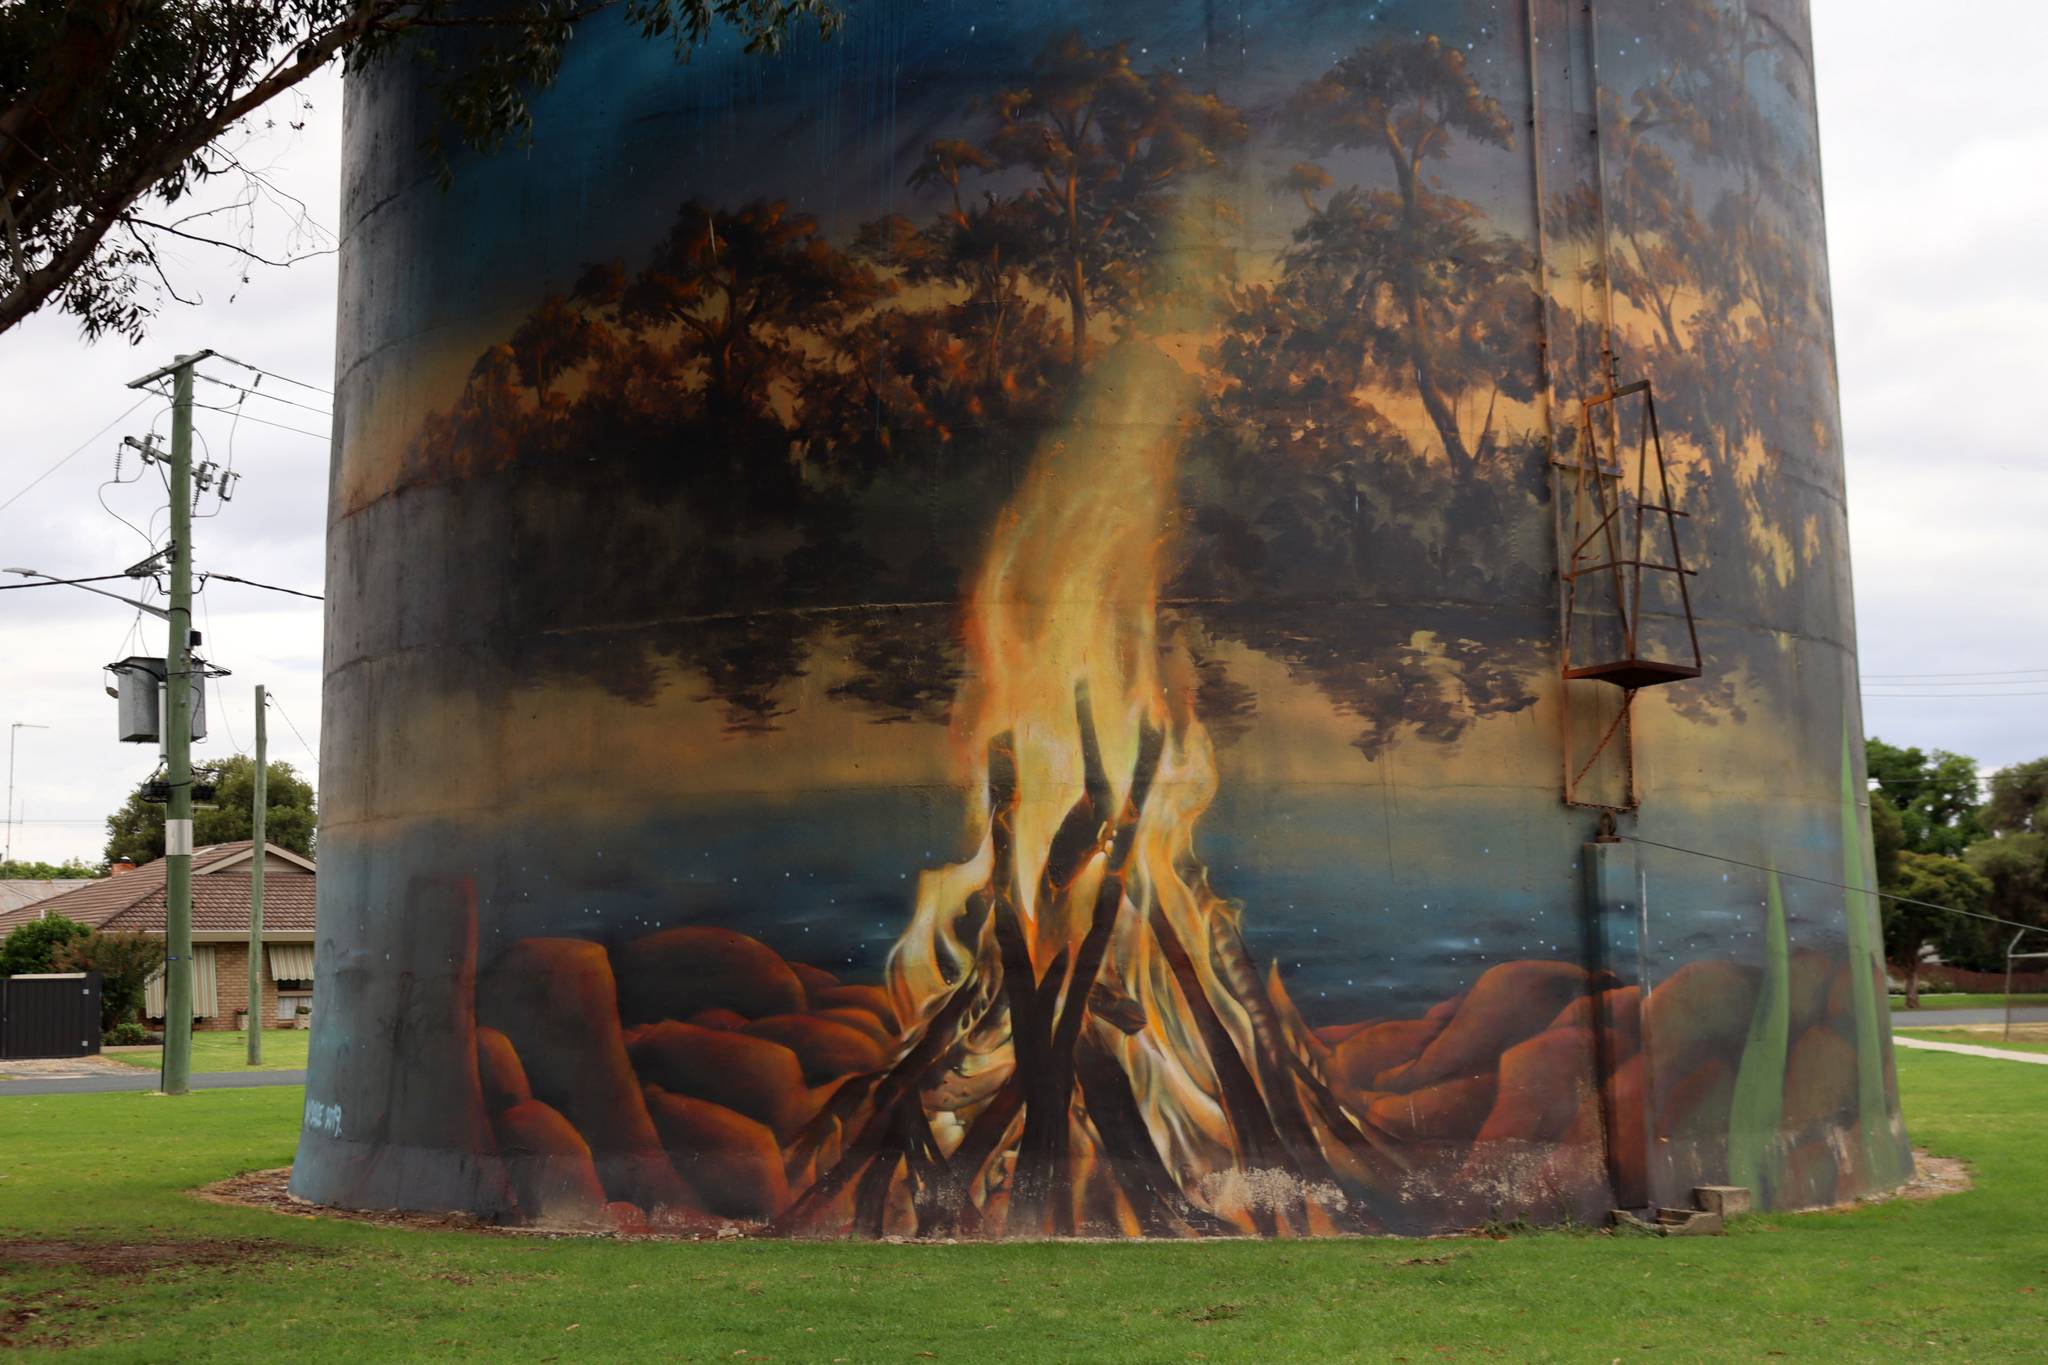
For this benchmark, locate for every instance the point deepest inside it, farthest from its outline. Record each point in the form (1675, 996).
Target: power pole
(13, 733)
(177, 732)
(258, 856)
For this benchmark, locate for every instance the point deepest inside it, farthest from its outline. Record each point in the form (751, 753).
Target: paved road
(144, 1080)
(2022, 1014)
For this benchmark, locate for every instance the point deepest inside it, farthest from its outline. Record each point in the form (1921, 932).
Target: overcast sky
(1933, 136)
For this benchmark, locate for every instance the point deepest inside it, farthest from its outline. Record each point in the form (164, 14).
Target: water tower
(1140, 618)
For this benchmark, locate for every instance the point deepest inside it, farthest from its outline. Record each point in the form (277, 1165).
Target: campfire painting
(991, 670)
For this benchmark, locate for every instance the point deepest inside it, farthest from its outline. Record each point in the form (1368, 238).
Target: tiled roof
(134, 901)
(16, 892)
(220, 903)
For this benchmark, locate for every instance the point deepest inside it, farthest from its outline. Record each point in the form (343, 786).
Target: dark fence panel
(50, 1016)
(1979, 983)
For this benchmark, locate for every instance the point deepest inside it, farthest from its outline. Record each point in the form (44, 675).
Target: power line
(68, 458)
(1823, 881)
(60, 582)
(1947, 696)
(266, 422)
(271, 587)
(311, 752)
(250, 392)
(1929, 685)
(1965, 682)
(219, 702)
(260, 421)
(1980, 673)
(273, 374)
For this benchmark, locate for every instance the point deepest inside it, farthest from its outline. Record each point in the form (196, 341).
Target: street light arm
(157, 612)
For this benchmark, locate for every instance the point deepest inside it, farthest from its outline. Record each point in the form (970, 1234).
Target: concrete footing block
(1726, 1200)
(1688, 1223)
(1715, 1205)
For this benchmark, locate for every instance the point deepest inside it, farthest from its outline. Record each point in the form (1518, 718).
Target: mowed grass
(284, 1049)
(2025, 1038)
(1957, 1001)
(1963, 1278)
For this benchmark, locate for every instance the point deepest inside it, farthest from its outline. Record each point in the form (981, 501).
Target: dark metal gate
(50, 1015)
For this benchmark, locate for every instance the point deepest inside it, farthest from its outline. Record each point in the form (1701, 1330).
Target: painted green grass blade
(1884, 1153)
(1759, 1100)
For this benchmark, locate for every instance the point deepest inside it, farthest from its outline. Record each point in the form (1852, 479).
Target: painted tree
(1438, 296)
(555, 337)
(1307, 474)
(982, 357)
(1109, 152)
(741, 289)
(1705, 225)
(983, 250)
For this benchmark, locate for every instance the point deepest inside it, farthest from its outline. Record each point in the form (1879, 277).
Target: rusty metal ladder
(1613, 537)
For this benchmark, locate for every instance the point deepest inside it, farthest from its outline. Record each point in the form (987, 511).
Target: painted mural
(956, 634)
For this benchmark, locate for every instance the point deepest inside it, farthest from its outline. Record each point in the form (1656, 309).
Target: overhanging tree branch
(132, 222)
(127, 102)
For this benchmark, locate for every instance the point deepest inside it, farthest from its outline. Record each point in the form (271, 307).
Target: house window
(205, 987)
(289, 1000)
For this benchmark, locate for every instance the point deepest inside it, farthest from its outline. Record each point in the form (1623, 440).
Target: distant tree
(1934, 792)
(125, 963)
(2019, 799)
(1887, 840)
(112, 112)
(2016, 866)
(33, 947)
(71, 869)
(135, 832)
(1911, 931)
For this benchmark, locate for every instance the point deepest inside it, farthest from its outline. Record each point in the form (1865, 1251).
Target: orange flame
(1069, 599)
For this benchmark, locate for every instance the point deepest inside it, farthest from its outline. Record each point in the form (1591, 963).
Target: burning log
(1073, 1034)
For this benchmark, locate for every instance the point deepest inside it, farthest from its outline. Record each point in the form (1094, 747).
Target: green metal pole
(178, 749)
(256, 860)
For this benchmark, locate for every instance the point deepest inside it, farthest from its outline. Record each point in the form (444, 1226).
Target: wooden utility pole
(177, 732)
(178, 747)
(258, 855)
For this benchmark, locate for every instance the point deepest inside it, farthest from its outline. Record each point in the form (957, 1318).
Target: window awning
(290, 961)
(205, 987)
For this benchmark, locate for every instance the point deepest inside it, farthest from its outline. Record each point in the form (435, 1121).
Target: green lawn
(1964, 1277)
(283, 1050)
(1973, 1038)
(1969, 1002)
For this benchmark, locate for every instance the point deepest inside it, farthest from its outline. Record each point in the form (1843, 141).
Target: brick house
(133, 902)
